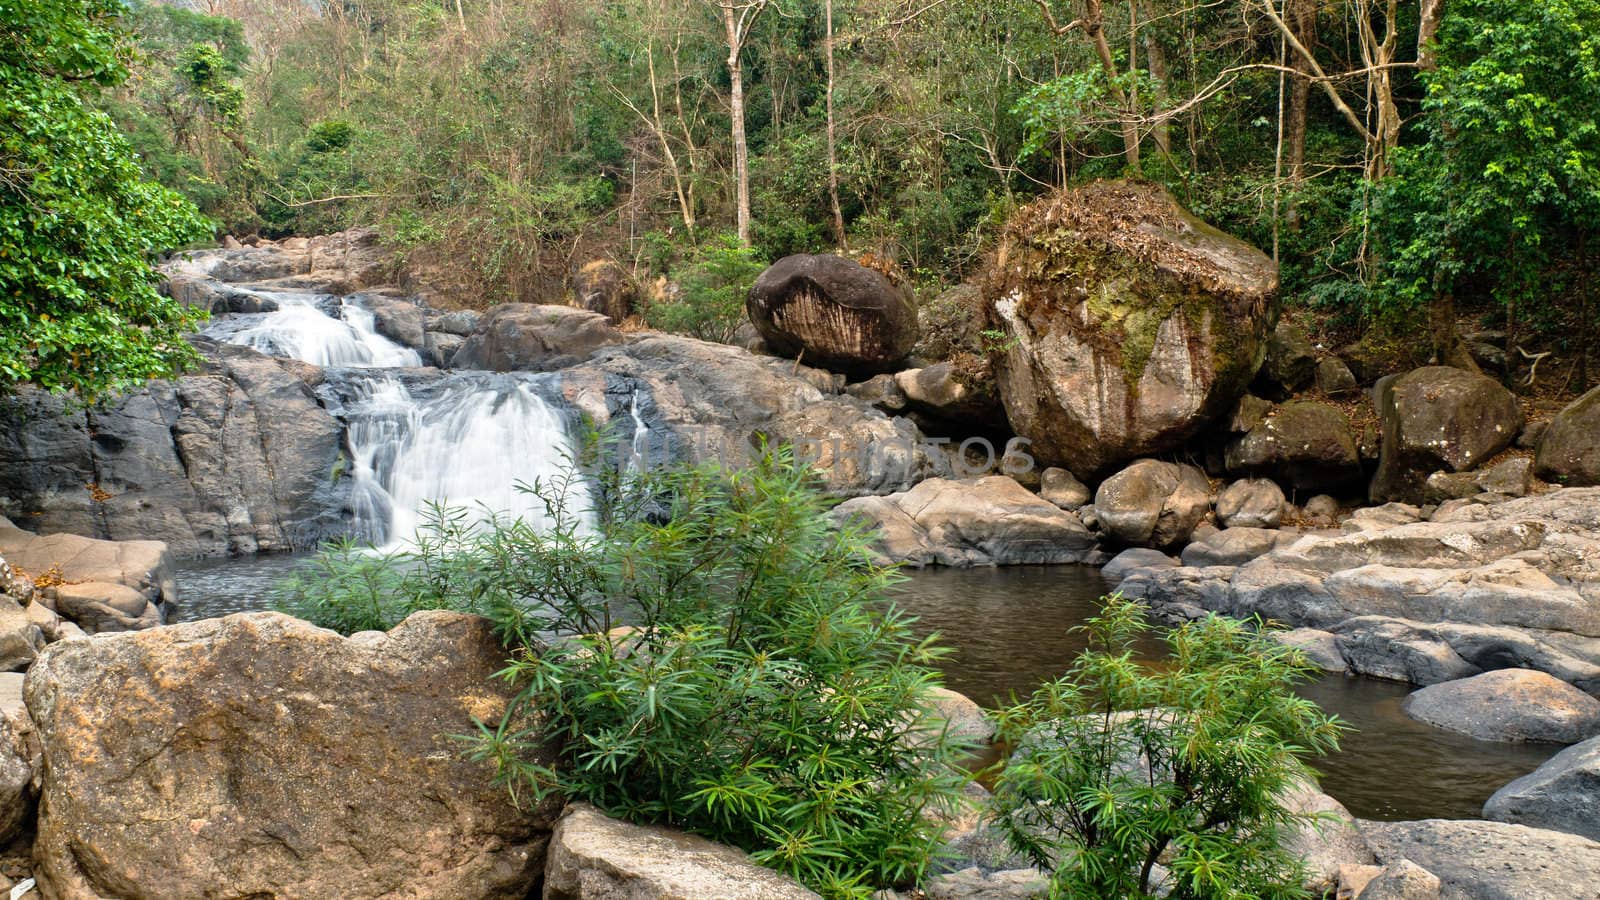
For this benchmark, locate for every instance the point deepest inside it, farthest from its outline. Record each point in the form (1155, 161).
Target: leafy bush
(713, 283)
(762, 694)
(1182, 762)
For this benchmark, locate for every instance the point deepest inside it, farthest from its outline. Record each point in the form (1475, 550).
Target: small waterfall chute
(300, 329)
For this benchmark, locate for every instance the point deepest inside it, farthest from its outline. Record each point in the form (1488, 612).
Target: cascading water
(462, 440)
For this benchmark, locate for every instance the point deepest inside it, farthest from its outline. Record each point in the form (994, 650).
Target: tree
(79, 308)
(1123, 764)
(738, 19)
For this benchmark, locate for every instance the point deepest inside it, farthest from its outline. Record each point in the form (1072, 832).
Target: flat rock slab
(1508, 705)
(595, 857)
(1492, 860)
(1563, 794)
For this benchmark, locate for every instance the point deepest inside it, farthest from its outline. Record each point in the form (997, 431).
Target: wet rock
(438, 348)
(1304, 444)
(279, 759)
(1129, 325)
(1400, 651)
(397, 319)
(1152, 503)
(1251, 503)
(1335, 379)
(1059, 487)
(1561, 795)
(1439, 418)
(1568, 452)
(593, 857)
(1182, 594)
(1290, 364)
(1402, 880)
(833, 313)
(1508, 705)
(1492, 860)
(1135, 558)
(990, 521)
(525, 337)
(605, 287)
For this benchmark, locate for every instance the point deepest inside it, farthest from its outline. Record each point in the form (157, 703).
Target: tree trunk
(833, 144)
(1156, 60)
(1095, 26)
(1432, 13)
(741, 149)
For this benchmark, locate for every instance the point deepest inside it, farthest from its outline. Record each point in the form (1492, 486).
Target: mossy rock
(1128, 324)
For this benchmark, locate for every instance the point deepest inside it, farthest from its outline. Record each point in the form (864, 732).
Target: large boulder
(989, 521)
(101, 585)
(952, 399)
(1492, 860)
(277, 759)
(1305, 444)
(1569, 450)
(1128, 323)
(1508, 705)
(594, 857)
(527, 337)
(1153, 503)
(1437, 418)
(1562, 795)
(1290, 365)
(1331, 841)
(833, 312)
(19, 763)
(605, 287)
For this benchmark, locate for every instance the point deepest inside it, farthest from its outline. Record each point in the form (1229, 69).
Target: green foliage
(325, 137)
(79, 225)
(713, 283)
(763, 694)
(1182, 761)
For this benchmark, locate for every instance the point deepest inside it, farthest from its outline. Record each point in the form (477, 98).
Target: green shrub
(1184, 762)
(713, 283)
(765, 695)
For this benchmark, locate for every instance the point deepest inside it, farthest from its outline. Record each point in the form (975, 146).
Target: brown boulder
(1437, 418)
(275, 759)
(1569, 449)
(1128, 324)
(525, 337)
(1304, 444)
(1153, 504)
(833, 313)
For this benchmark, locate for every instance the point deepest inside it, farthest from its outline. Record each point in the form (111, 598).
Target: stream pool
(1010, 629)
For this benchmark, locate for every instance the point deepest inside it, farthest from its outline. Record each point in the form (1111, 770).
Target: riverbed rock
(950, 400)
(594, 857)
(1402, 880)
(527, 337)
(974, 883)
(961, 717)
(833, 312)
(1492, 860)
(1251, 503)
(101, 585)
(1153, 503)
(20, 638)
(1325, 845)
(1305, 444)
(1508, 705)
(1437, 418)
(1059, 487)
(1397, 650)
(1236, 546)
(398, 319)
(1568, 452)
(1290, 364)
(19, 760)
(1135, 558)
(1129, 324)
(1561, 795)
(984, 522)
(604, 286)
(1321, 648)
(261, 753)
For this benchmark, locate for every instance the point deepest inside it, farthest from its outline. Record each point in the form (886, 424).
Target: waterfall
(467, 440)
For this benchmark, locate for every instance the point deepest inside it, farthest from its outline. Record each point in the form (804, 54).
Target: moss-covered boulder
(1127, 323)
(1569, 450)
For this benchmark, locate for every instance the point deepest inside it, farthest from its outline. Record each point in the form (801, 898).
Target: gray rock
(439, 348)
(525, 337)
(974, 884)
(1251, 503)
(1492, 860)
(1135, 558)
(943, 395)
(1321, 648)
(1325, 845)
(1561, 795)
(1322, 510)
(19, 760)
(1443, 486)
(397, 319)
(1305, 444)
(1335, 379)
(460, 322)
(1568, 453)
(880, 391)
(1290, 364)
(1402, 880)
(1061, 488)
(1532, 433)
(20, 638)
(1508, 705)
(1152, 503)
(834, 313)
(1512, 477)
(1400, 651)
(1249, 412)
(990, 521)
(1236, 546)
(961, 717)
(1439, 418)
(1180, 594)
(593, 857)
(106, 585)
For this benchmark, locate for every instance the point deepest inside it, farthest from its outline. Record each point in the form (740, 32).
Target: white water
(298, 329)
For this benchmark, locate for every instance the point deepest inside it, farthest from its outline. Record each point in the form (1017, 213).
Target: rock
(1508, 705)
(1305, 444)
(990, 521)
(1332, 841)
(1561, 795)
(593, 857)
(1129, 325)
(1322, 510)
(1400, 651)
(128, 577)
(604, 286)
(1321, 648)
(1532, 434)
(833, 313)
(1178, 595)
(880, 391)
(1568, 453)
(1135, 558)
(1335, 379)
(942, 394)
(1236, 546)
(1381, 518)
(974, 884)
(1438, 418)
(1153, 504)
(1251, 503)
(1290, 365)
(1402, 880)
(1492, 860)
(1443, 486)
(398, 320)
(19, 762)
(258, 752)
(45, 618)
(438, 348)
(1249, 412)
(525, 337)
(1059, 487)
(20, 639)
(951, 325)
(458, 323)
(1512, 477)
(963, 719)
(98, 607)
